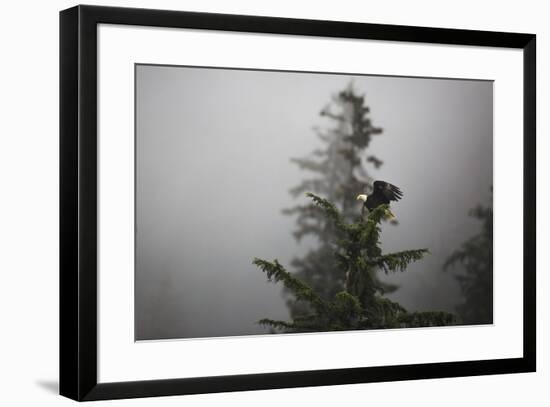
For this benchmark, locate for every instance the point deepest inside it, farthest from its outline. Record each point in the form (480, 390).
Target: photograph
(289, 202)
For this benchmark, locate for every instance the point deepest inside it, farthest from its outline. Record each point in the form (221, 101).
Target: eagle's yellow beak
(362, 197)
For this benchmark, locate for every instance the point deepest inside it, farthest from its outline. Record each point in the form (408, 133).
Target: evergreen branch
(427, 319)
(276, 272)
(375, 130)
(305, 230)
(305, 319)
(311, 165)
(308, 185)
(299, 325)
(319, 153)
(375, 161)
(459, 256)
(386, 288)
(369, 231)
(399, 261)
(473, 250)
(330, 210)
(277, 324)
(309, 211)
(346, 306)
(389, 307)
(337, 117)
(324, 136)
(384, 313)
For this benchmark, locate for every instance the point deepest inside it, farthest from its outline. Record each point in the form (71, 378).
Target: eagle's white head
(362, 197)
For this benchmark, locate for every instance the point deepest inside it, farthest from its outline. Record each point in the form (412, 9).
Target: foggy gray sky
(213, 172)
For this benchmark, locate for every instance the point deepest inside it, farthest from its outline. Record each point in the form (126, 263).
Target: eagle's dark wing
(389, 191)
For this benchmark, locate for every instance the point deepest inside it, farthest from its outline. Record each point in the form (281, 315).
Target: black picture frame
(78, 202)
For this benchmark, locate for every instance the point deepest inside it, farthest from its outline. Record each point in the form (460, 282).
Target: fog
(213, 171)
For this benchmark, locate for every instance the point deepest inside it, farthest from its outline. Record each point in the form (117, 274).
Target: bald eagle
(383, 193)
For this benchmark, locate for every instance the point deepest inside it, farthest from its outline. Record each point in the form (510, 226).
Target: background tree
(361, 304)
(339, 174)
(475, 260)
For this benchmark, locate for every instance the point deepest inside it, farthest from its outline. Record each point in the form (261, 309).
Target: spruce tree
(340, 173)
(474, 259)
(358, 259)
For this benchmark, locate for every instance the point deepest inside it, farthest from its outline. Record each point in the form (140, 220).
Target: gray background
(213, 173)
